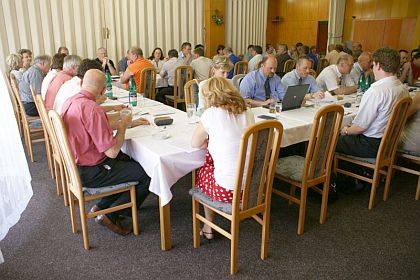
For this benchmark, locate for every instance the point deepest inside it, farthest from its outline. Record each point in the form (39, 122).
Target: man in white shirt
(74, 85)
(168, 73)
(363, 137)
(362, 67)
(201, 65)
(257, 57)
(56, 66)
(336, 78)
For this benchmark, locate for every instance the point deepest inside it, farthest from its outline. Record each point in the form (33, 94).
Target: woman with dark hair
(157, 59)
(219, 49)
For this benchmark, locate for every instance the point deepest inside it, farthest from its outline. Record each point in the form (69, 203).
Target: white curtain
(15, 179)
(246, 23)
(83, 25)
(336, 21)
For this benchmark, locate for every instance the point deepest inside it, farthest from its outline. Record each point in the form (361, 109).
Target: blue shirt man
(232, 58)
(257, 86)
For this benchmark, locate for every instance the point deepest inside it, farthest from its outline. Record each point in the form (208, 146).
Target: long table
(166, 154)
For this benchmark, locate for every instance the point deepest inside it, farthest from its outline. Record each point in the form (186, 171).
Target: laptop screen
(294, 97)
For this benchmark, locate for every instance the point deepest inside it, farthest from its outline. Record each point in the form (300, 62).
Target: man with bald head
(107, 64)
(300, 76)
(97, 152)
(362, 67)
(258, 86)
(336, 78)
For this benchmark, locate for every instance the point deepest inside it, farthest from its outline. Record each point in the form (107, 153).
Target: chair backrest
(15, 90)
(46, 122)
(237, 79)
(191, 89)
(312, 63)
(183, 74)
(148, 82)
(312, 72)
(59, 131)
(324, 135)
(322, 63)
(396, 123)
(15, 103)
(289, 65)
(241, 67)
(258, 152)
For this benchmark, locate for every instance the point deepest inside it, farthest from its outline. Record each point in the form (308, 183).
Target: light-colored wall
(44, 25)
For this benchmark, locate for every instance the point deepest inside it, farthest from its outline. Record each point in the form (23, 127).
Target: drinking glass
(191, 109)
(277, 109)
(124, 113)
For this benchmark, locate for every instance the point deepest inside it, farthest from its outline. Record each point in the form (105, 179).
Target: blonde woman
(14, 64)
(220, 68)
(220, 130)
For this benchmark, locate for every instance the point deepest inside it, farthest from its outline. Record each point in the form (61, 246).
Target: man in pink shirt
(97, 152)
(70, 66)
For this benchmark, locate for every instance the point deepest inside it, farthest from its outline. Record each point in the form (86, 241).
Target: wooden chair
(241, 67)
(183, 74)
(412, 158)
(15, 105)
(322, 63)
(58, 168)
(289, 65)
(383, 163)
(312, 63)
(191, 89)
(83, 195)
(31, 126)
(237, 79)
(46, 135)
(312, 72)
(314, 169)
(262, 142)
(148, 82)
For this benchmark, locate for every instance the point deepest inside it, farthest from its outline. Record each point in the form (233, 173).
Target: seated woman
(220, 129)
(157, 59)
(14, 64)
(219, 68)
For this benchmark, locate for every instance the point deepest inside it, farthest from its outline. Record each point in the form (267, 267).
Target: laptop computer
(294, 97)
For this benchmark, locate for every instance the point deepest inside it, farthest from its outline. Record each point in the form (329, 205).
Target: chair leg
(134, 210)
(324, 204)
(265, 232)
(84, 223)
(31, 155)
(292, 192)
(48, 153)
(64, 186)
(196, 224)
(388, 182)
(418, 189)
(234, 246)
(375, 183)
(72, 213)
(57, 177)
(302, 210)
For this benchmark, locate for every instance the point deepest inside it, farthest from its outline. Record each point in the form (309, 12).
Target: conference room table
(166, 155)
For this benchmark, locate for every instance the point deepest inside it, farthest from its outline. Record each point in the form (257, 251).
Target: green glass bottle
(362, 82)
(132, 92)
(108, 86)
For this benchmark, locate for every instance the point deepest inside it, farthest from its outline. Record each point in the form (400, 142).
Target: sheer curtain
(15, 179)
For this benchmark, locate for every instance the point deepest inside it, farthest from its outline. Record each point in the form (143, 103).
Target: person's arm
(415, 105)
(352, 130)
(122, 126)
(200, 137)
(257, 103)
(126, 76)
(111, 67)
(344, 90)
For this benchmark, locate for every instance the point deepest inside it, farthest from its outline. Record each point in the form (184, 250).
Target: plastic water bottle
(108, 87)
(132, 92)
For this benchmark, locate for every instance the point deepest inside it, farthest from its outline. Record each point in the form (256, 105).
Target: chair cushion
(291, 167)
(368, 160)
(102, 190)
(205, 199)
(35, 123)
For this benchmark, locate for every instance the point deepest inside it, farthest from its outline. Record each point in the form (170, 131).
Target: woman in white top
(219, 68)
(14, 64)
(157, 59)
(220, 129)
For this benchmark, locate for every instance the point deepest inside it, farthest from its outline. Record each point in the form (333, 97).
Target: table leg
(193, 178)
(165, 226)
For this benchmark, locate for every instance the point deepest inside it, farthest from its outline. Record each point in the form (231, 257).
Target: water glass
(125, 112)
(191, 110)
(277, 109)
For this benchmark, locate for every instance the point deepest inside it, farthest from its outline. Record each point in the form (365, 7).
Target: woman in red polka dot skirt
(220, 129)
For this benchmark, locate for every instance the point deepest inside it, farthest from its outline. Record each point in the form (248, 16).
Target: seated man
(232, 58)
(260, 85)
(363, 137)
(410, 140)
(107, 64)
(74, 85)
(405, 67)
(136, 65)
(362, 67)
(300, 76)
(201, 65)
(257, 57)
(33, 76)
(414, 76)
(185, 53)
(63, 50)
(282, 56)
(57, 62)
(97, 152)
(336, 78)
(70, 66)
(168, 73)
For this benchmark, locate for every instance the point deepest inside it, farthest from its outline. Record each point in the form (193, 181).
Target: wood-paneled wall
(298, 20)
(215, 34)
(382, 23)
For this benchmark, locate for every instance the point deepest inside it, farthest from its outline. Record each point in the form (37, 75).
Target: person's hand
(119, 107)
(267, 102)
(318, 95)
(140, 121)
(100, 99)
(126, 119)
